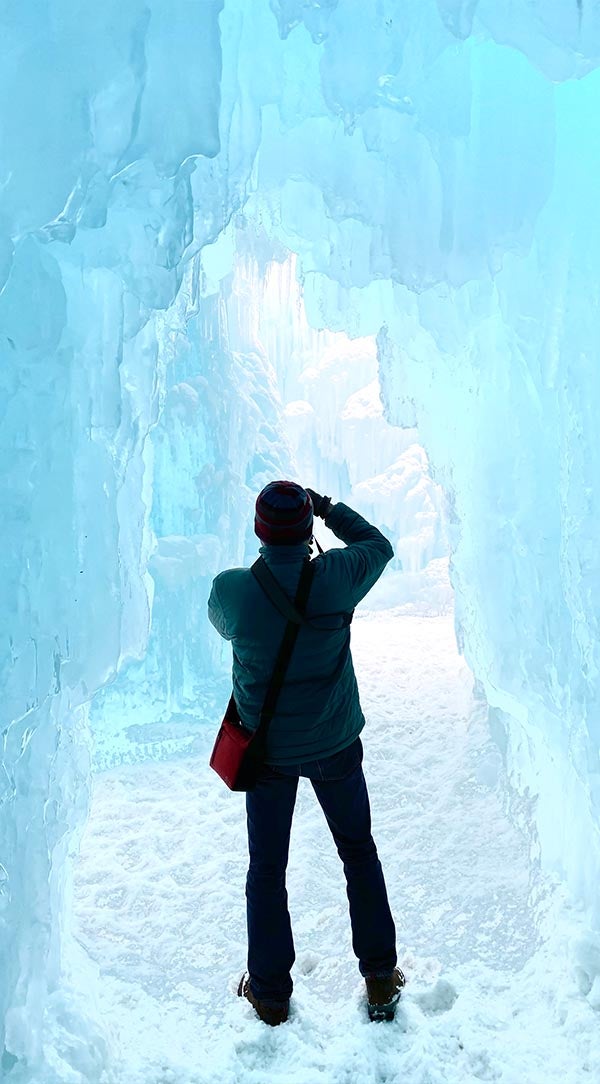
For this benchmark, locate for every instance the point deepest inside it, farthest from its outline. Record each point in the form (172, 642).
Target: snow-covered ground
(159, 896)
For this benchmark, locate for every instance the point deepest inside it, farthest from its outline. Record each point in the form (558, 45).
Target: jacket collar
(285, 555)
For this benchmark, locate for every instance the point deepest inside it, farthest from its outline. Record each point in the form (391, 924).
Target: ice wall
(219, 438)
(96, 215)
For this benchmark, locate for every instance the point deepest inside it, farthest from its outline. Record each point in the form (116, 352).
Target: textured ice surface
(95, 215)
(434, 167)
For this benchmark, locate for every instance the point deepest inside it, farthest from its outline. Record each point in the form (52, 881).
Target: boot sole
(382, 1012)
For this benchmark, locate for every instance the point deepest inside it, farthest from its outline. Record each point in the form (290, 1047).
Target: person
(314, 733)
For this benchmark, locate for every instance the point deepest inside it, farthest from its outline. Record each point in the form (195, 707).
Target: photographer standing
(314, 733)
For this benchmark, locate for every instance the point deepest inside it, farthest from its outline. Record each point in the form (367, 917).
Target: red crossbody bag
(238, 752)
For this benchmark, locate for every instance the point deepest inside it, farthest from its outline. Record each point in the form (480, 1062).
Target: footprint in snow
(436, 999)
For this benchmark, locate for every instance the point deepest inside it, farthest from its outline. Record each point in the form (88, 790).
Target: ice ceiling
(434, 167)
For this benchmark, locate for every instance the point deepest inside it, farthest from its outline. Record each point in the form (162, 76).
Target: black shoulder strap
(272, 588)
(285, 651)
(281, 602)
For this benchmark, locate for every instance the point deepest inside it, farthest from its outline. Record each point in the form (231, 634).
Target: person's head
(284, 514)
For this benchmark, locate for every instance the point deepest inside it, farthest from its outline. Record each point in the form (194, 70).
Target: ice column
(97, 211)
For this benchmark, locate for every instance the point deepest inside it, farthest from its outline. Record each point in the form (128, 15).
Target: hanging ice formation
(434, 167)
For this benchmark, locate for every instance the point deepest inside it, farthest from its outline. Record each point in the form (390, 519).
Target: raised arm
(367, 549)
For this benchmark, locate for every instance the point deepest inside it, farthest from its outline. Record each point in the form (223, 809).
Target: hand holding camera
(321, 505)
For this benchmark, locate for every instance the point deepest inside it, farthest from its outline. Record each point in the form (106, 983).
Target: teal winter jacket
(318, 712)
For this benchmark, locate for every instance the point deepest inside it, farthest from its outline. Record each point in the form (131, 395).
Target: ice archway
(434, 166)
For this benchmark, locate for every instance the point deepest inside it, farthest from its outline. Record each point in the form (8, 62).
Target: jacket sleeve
(216, 613)
(367, 550)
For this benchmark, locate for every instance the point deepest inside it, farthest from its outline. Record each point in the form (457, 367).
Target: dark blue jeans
(340, 787)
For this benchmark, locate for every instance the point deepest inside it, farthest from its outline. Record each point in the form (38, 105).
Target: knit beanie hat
(284, 514)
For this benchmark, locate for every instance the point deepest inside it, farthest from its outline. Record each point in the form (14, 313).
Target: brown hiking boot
(269, 1014)
(383, 994)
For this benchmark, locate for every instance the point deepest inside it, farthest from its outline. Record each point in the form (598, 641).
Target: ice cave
(355, 243)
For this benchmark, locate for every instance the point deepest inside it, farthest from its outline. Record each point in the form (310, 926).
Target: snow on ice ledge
(438, 184)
